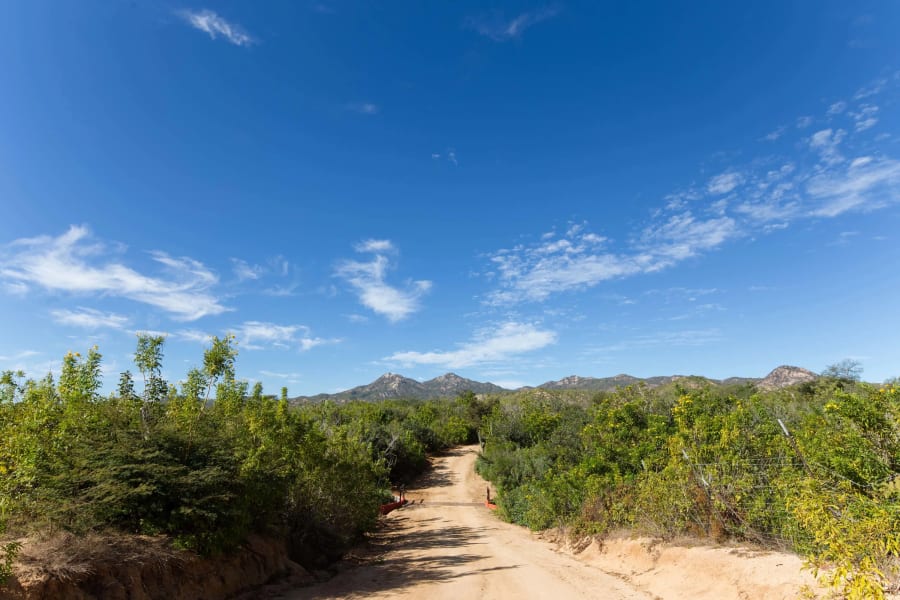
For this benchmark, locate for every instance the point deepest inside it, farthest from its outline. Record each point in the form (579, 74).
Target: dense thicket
(713, 462)
(209, 460)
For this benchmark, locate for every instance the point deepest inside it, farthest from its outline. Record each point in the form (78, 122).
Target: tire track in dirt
(447, 545)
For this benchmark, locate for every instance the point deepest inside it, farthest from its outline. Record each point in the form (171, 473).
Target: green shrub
(713, 462)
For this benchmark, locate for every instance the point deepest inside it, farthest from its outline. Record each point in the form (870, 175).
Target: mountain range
(392, 385)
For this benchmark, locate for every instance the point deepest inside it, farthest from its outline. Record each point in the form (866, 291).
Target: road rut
(447, 544)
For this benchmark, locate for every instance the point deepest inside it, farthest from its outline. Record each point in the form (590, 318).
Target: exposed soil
(447, 544)
(114, 567)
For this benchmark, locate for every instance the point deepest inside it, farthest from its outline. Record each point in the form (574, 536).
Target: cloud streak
(368, 280)
(260, 335)
(489, 346)
(244, 271)
(74, 263)
(212, 24)
(364, 108)
(501, 30)
(724, 183)
(826, 177)
(89, 318)
(581, 260)
(683, 339)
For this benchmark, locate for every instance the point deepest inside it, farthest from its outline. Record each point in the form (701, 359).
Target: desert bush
(812, 468)
(208, 461)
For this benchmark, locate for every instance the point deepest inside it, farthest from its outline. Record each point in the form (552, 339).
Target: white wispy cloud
(580, 260)
(245, 271)
(804, 122)
(75, 263)
(678, 294)
(876, 87)
(683, 236)
(501, 343)
(724, 183)
(308, 343)
(535, 273)
(273, 267)
(281, 291)
(826, 143)
(363, 108)
(501, 29)
(194, 335)
(368, 281)
(254, 334)
(89, 318)
(774, 134)
(826, 177)
(278, 375)
(866, 184)
(865, 116)
(15, 288)
(683, 338)
(22, 354)
(509, 384)
(837, 108)
(258, 335)
(215, 26)
(376, 246)
(768, 210)
(449, 155)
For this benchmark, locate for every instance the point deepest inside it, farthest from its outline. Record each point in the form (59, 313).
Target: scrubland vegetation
(714, 462)
(208, 460)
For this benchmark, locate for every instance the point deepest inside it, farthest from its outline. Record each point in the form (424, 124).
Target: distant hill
(606, 384)
(575, 382)
(785, 376)
(740, 380)
(392, 385)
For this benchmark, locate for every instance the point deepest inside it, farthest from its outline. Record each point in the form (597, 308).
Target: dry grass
(68, 557)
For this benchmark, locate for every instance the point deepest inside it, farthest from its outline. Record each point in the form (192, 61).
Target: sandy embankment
(446, 544)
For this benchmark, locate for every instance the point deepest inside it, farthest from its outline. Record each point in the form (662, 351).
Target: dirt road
(447, 544)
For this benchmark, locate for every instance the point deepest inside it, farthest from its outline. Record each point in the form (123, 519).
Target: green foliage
(855, 537)
(209, 462)
(845, 370)
(218, 361)
(706, 461)
(8, 554)
(80, 378)
(148, 359)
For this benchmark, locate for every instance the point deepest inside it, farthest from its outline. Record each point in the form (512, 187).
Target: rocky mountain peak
(785, 376)
(448, 377)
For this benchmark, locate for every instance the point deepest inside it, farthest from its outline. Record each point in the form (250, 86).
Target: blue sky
(515, 192)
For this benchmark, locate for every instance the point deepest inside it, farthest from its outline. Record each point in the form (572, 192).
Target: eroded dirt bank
(129, 568)
(444, 545)
(447, 544)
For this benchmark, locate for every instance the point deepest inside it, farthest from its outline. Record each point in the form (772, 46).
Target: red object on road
(386, 508)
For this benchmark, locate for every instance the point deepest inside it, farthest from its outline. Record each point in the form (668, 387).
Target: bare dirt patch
(447, 544)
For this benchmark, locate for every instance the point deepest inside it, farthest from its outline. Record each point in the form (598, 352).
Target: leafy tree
(125, 388)
(847, 370)
(148, 358)
(218, 361)
(80, 379)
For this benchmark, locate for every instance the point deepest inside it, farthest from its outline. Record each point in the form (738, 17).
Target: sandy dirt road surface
(447, 544)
